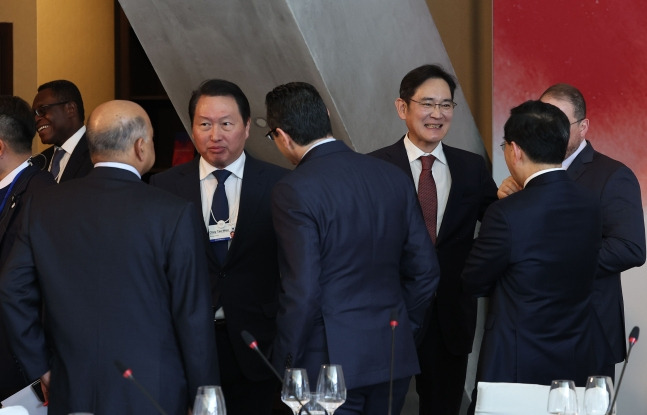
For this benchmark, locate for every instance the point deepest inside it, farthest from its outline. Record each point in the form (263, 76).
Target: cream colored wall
(466, 29)
(22, 13)
(71, 39)
(75, 41)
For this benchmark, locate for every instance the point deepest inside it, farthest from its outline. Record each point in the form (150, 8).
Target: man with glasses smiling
(454, 189)
(59, 114)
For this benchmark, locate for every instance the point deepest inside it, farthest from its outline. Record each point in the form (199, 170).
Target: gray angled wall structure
(354, 51)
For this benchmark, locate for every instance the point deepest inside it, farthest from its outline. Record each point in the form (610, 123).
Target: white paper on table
(28, 399)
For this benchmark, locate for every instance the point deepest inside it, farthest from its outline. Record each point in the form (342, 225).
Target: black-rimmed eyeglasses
(270, 134)
(42, 110)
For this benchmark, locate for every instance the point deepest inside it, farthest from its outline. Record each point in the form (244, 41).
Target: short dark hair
(298, 109)
(416, 77)
(220, 88)
(66, 91)
(571, 94)
(540, 129)
(17, 126)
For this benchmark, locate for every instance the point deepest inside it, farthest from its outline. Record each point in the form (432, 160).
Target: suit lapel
(578, 166)
(77, 158)
(251, 195)
(455, 191)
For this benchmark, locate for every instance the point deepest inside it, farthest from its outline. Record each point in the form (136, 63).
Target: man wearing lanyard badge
(231, 190)
(18, 179)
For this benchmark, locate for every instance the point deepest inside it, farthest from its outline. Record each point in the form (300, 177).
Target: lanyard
(6, 196)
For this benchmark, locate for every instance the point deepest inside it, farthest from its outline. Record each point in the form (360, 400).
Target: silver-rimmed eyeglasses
(444, 107)
(42, 110)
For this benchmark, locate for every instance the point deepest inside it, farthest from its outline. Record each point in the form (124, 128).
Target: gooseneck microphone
(128, 374)
(251, 342)
(633, 339)
(393, 323)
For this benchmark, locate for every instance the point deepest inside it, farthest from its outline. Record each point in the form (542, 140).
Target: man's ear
(401, 108)
(140, 148)
(286, 140)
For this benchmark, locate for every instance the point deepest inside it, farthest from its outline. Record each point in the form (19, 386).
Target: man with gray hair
(119, 268)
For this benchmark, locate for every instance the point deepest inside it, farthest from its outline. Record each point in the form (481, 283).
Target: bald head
(120, 131)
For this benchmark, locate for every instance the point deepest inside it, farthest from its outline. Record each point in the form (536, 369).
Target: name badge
(221, 231)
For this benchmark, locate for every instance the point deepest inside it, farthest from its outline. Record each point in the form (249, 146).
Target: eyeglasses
(42, 110)
(270, 134)
(502, 145)
(444, 107)
(575, 122)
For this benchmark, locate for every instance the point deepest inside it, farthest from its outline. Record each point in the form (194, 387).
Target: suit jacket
(352, 247)
(118, 267)
(536, 255)
(471, 192)
(79, 163)
(30, 181)
(247, 284)
(623, 241)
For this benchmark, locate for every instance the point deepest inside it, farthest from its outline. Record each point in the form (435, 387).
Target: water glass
(598, 395)
(562, 399)
(209, 401)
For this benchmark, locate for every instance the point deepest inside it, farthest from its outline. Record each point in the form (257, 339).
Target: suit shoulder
(274, 171)
(173, 173)
(602, 161)
(386, 152)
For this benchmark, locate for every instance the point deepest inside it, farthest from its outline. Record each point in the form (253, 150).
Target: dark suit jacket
(471, 192)
(623, 240)
(118, 266)
(247, 284)
(536, 255)
(79, 163)
(30, 181)
(352, 247)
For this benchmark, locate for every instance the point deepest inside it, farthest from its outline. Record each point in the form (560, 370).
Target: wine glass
(313, 407)
(562, 399)
(598, 395)
(209, 401)
(332, 387)
(296, 390)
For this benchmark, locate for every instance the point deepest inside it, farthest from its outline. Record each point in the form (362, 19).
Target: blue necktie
(220, 211)
(56, 162)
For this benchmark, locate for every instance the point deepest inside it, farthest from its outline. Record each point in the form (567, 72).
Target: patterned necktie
(428, 196)
(220, 211)
(56, 162)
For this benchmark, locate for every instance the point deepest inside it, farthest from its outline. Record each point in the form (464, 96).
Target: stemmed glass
(332, 387)
(562, 399)
(209, 401)
(296, 390)
(598, 395)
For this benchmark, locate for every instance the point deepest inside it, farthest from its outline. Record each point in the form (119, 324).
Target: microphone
(633, 339)
(251, 342)
(128, 374)
(393, 323)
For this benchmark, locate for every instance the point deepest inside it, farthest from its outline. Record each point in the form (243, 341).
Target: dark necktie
(56, 162)
(220, 211)
(428, 196)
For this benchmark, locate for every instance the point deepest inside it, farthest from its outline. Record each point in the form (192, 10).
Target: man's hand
(508, 187)
(44, 385)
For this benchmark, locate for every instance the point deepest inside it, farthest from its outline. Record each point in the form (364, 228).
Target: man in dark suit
(58, 108)
(119, 268)
(19, 179)
(464, 189)
(243, 267)
(623, 228)
(353, 247)
(535, 257)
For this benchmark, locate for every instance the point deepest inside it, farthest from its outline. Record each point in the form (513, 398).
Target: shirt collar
(236, 168)
(415, 153)
(567, 162)
(118, 165)
(12, 175)
(71, 142)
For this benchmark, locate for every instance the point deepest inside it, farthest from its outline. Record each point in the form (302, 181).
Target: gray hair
(119, 137)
